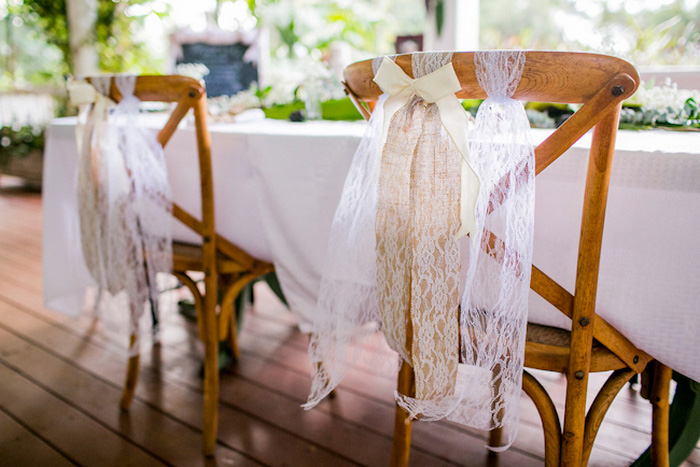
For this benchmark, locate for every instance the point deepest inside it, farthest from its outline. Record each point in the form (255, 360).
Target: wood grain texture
(600, 83)
(213, 255)
(81, 363)
(21, 446)
(576, 76)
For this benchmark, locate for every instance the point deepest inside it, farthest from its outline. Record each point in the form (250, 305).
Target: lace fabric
(124, 203)
(395, 260)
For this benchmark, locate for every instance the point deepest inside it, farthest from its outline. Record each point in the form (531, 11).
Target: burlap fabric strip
(124, 200)
(453, 307)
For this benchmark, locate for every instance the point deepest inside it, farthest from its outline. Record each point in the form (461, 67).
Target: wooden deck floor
(60, 382)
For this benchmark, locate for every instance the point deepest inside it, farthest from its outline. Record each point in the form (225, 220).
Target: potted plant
(21, 151)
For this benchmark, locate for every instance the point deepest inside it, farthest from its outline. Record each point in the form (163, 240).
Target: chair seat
(547, 348)
(189, 257)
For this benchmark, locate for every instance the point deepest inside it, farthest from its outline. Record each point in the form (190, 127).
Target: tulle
(394, 261)
(124, 202)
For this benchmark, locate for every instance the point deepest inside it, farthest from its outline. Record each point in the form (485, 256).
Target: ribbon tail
(454, 119)
(391, 106)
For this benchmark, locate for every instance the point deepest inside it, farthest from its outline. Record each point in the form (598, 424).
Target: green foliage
(366, 25)
(530, 24)
(439, 15)
(18, 141)
(644, 34)
(686, 117)
(336, 109)
(668, 34)
(117, 23)
(26, 59)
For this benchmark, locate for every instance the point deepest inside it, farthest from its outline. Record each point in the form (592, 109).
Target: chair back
(187, 93)
(600, 83)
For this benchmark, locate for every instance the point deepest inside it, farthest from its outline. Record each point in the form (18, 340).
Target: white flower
(233, 105)
(193, 70)
(663, 98)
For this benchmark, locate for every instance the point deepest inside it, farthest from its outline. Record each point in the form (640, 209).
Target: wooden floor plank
(260, 417)
(173, 442)
(532, 442)
(81, 439)
(20, 446)
(178, 395)
(335, 435)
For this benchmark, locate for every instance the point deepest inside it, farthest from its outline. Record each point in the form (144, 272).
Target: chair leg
(227, 317)
(550, 420)
(496, 434)
(574, 421)
(660, 410)
(401, 447)
(198, 299)
(211, 373)
(496, 437)
(132, 375)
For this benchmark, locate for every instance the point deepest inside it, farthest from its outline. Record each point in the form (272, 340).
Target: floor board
(22, 446)
(61, 377)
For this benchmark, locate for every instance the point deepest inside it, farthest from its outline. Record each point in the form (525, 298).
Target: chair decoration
(124, 198)
(453, 307)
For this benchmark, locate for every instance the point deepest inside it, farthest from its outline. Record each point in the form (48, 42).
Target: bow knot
(439, 88)
(432, 87)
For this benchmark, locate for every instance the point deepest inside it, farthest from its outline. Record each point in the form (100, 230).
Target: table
(277, 185)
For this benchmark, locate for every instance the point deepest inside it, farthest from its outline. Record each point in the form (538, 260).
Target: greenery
(38, 50)
(19, 141)
(686, 117)
(304, 26)
(118, 24)
(643, 33)
(336, 109)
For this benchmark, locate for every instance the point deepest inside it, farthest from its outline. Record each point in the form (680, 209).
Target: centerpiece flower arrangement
(662, 106)
(652, 106)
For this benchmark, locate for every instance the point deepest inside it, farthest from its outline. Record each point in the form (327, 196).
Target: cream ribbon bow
(439, 88)
(81, 93)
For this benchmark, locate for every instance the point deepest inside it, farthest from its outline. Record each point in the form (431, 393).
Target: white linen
(283, 181)
(277, 185)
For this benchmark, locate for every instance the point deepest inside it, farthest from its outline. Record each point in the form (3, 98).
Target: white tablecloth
(277, 184)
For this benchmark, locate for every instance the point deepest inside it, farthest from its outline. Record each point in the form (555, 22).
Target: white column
(460, 26)
(82, 23)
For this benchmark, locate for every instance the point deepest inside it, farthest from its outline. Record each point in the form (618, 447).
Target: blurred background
(37, 47)
(292, 46)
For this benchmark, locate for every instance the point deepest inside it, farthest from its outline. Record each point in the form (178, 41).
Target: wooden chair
(600, 83)
(227, 268)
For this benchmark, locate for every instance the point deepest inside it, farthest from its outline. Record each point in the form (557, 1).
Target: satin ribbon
(81, 93)
(439, 88)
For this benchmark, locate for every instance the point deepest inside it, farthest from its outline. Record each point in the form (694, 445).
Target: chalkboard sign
(228, 72)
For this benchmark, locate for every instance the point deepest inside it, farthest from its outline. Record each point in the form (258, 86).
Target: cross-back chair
(600, 83)
(227, 268)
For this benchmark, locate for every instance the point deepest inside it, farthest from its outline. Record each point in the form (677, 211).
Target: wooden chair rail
(548, 415)
(225, 246)
(176, 117)
(576, 76)
(600, 406)
(235, 271)
(604, 332)
(154, 88)
(600, 83)
(602, 102)
(589, 115)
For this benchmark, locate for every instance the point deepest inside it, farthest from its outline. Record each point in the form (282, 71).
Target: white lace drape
(124, 200)
(395, 261)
